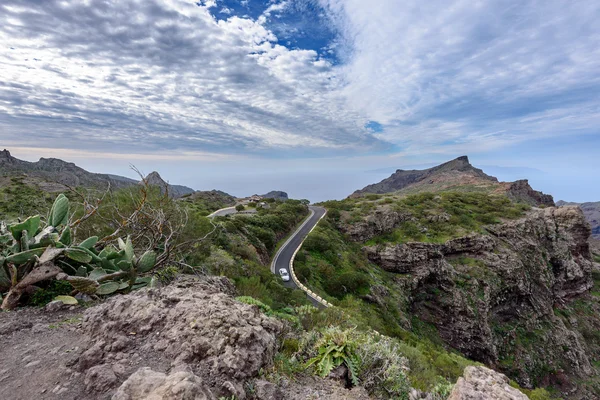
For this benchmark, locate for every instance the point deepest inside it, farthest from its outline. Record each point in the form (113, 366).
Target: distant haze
(319, 180)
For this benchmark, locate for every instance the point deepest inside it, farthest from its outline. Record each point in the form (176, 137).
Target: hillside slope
(59, 171)
(505, 284)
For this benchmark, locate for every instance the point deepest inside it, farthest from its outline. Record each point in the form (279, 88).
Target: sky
(314, 97)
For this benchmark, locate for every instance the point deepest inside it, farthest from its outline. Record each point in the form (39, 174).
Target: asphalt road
(230, 210)
(285, 253)
(222, 212)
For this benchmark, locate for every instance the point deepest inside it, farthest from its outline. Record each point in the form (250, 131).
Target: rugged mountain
(276, 194)
(592, 213)
(459, 168)
(55, 175)
(510, 281)
(175, 191)
(457, 175)
(53, 170)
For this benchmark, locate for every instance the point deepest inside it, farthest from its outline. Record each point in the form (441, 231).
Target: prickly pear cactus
(89, 266)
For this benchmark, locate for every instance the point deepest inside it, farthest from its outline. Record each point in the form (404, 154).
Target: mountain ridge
(458, 174)
(63, 174)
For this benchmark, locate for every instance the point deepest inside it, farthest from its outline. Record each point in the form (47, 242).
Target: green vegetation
(131, 229)
(431, 217)
(242, 249)
(18, 199)
(334, 348)
(204, 203)
(240, 207)
(48, 291)
(32, 243)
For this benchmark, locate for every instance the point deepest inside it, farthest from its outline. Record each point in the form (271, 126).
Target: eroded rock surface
(480, 383)
(146, 384)
(189, 326)
(383, 220)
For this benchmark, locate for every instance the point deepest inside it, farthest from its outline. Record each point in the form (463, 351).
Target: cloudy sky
(315, 97)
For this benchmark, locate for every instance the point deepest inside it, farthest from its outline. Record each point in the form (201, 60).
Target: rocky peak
(459, 167)
(6, 158)
(154, 179)
(276, 194)
(56, 164)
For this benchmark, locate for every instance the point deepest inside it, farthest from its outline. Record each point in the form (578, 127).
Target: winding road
(288, 250)
(286, 253)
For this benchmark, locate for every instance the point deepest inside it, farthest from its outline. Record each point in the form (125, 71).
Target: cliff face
(175, 191)
(497, 297)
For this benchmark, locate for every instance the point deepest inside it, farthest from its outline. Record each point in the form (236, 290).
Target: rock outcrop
(146, 384)
(193, 335)
(382, 221)
(591, 211)
(276, 194)
(481, 383)
(487, 294)
(522, 192)
(175, 191)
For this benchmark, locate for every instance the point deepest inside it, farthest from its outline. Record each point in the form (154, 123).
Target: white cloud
(441, 76)
(163, 74)
(493, 72)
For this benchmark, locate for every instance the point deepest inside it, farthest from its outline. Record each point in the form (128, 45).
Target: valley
(436, 272)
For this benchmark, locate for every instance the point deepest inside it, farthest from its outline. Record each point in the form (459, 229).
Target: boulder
(146, 384)
(191, 325)
(481, 383)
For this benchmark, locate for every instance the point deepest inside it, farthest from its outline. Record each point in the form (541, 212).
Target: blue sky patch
(374, 126)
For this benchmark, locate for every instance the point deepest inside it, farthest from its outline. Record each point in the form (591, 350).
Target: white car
(284, 274)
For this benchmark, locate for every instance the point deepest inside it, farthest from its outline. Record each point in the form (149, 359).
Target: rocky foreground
(190, 340)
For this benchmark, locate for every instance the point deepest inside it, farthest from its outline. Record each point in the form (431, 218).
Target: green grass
(433, 217)
(19, 199)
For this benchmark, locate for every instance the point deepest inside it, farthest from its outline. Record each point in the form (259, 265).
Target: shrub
(372, 360)
(334, 348)
(382, 369)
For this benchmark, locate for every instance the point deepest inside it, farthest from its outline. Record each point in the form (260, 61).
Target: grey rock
(146, 384)
(265, 390)
(481, 383)
(383, 220)
(100, 378)
(55, 306)
(192, 323)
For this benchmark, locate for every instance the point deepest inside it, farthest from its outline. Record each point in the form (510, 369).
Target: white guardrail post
(306, 290)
